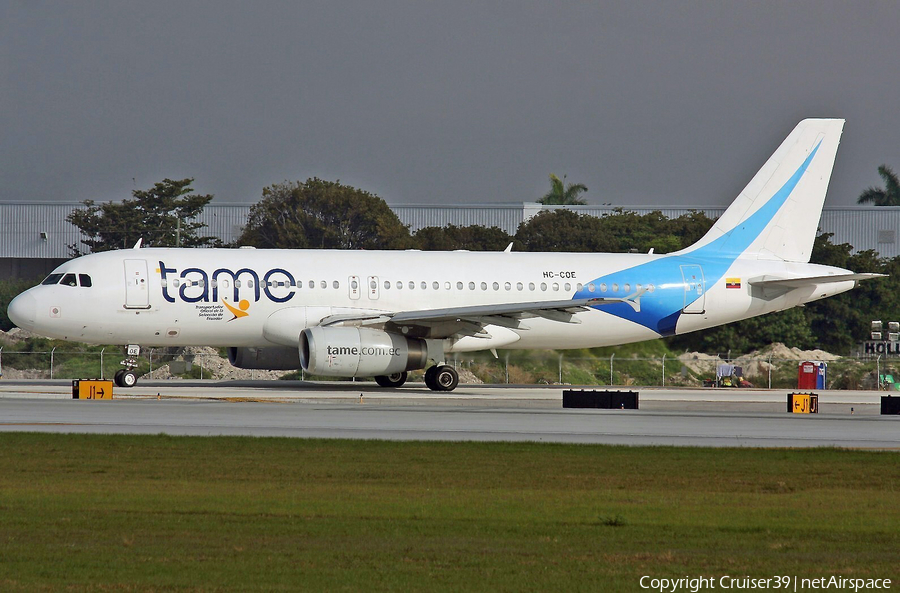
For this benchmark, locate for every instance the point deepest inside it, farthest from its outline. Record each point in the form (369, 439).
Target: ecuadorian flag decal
(732, 282)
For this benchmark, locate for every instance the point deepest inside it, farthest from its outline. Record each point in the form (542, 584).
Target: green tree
(563, 230)
(164, 216)
(322, 215)
(842, 321)
(562, 194)
(889, 196)
(473, 238)
(619, 232)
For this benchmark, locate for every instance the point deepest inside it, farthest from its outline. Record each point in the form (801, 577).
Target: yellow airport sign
(803, 403)
(92, 389)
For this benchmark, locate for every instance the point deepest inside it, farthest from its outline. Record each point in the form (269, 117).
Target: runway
(716, 418)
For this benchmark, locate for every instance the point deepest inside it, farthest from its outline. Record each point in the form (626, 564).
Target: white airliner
(383, 313)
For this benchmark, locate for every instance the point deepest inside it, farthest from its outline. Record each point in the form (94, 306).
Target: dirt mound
(468, 377)
(779, 351)
(700, 363)
(14, 336)
(214, 366)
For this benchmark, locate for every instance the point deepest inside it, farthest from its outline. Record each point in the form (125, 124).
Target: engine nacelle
(270, 359)
(359, 352)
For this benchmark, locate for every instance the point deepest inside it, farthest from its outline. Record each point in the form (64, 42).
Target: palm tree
(889, 196)
(562, 194)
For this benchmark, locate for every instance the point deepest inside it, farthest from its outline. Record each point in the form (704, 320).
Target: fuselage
(230, 297)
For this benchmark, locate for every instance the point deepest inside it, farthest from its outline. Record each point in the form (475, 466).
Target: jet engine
(359, 352)
(270, 359)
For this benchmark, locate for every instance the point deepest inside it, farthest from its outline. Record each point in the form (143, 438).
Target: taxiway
(692, 417)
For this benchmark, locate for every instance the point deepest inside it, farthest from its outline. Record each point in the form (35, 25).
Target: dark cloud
(462, 102)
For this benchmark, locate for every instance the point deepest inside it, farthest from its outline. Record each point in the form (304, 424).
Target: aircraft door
(354, 288)
(137, 289)
(694, 289)
(372, 283)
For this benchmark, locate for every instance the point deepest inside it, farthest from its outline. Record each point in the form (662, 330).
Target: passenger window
(51, 279)
(495, 286)
(323, 284)
(424, 285)
(591, 287)
(412, 285)
(84, 280)
(543, 286)
(387, 284)
(435, 285)
(555, 286)
(519, 286)
(603, 287)
(69, 280)
(336, 284)
(531, 286)
(568, 287)
(312, 283)
(459, 286)
(399, 285)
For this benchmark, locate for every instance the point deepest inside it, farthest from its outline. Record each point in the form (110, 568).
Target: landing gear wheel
(125, 378)
(446, 378)
(395, 380)
(441, 378)
(429, 378)
(129, 379)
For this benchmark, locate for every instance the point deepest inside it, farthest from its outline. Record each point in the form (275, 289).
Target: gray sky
(670, 103)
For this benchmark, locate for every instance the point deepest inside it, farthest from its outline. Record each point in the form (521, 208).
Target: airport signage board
(884, 348)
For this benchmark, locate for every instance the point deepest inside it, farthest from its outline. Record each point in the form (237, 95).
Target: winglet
(508, 248)
(139, 243)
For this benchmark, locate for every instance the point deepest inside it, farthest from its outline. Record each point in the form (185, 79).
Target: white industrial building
(35, 237)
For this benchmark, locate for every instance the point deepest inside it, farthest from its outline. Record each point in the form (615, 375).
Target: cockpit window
(84, 280)
(69, 280)
(51, 279)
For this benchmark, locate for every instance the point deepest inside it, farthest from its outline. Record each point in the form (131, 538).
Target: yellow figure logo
(241, 312)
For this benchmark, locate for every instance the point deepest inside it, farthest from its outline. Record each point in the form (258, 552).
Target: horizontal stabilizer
(774, 282)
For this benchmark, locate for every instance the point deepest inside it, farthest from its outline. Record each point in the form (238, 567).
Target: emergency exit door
(137, 289)
(694, 289)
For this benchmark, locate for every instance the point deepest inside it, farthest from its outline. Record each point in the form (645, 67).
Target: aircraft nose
(22, 310)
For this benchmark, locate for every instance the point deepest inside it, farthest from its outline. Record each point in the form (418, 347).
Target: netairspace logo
(783, 582)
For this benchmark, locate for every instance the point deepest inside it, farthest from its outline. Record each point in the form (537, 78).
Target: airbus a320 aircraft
(383, 313)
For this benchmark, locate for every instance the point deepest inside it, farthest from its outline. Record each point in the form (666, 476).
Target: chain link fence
(524, 368)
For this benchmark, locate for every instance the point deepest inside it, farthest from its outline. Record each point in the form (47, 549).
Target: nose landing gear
(127, 377)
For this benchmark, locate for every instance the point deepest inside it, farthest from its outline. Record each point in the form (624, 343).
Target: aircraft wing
(775, 282)
(446, 322)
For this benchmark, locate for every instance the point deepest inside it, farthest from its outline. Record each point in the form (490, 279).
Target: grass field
(92, 512)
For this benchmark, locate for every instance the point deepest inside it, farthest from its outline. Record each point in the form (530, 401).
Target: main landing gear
(441, 378)
(395, 380)
(127, 377)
